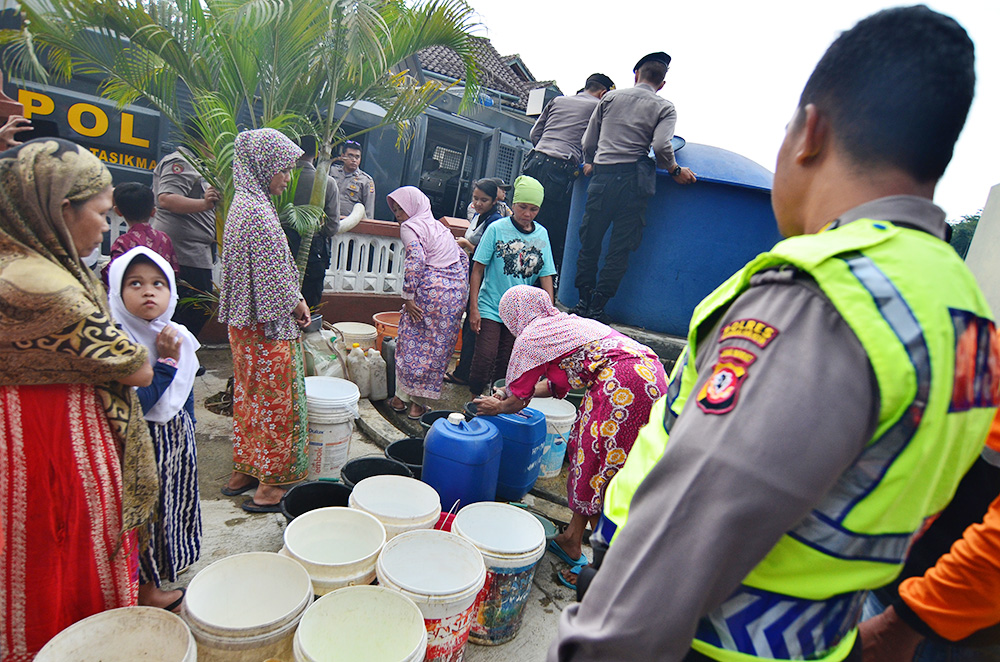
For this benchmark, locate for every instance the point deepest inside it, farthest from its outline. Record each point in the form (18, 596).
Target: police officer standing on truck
(615, 148)
(355, 184)
(558, 154)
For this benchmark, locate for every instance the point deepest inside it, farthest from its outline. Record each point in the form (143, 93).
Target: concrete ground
(229, 530)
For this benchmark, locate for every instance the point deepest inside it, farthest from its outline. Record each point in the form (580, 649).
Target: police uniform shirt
(192, 234)
(734, 483)
(331, 206)
(558, 131)
(355, 187)
(624, 125)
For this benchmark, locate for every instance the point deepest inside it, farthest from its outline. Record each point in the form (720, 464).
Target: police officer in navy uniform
(615, 148)
(355, 184)
(558, 154)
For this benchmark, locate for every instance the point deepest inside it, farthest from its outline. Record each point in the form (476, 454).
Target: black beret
(601, 79)
(653, 57)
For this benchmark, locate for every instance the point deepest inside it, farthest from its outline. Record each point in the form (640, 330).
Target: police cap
(653, 57)
(600, 79)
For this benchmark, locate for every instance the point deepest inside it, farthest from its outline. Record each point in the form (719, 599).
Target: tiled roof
(496, 73)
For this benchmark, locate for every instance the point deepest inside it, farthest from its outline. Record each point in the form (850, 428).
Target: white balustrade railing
(365, 264)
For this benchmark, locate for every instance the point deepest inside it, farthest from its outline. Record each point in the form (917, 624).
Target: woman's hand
(488, 406)
(475, 321)
(301, 314)
(466, 245)
(168, 343)
(415, 312)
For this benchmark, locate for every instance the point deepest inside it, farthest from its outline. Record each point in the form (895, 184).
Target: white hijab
(144, 333)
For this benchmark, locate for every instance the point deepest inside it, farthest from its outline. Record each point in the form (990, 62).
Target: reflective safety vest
(929, 336)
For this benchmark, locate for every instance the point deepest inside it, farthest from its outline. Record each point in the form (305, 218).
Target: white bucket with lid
(559, 418)
(363, 623)
(356, 332)
(511, 541)
(400, 503)
(442, 573)
(332, 407)
(247, 606)
(337, 546)
(123, 635)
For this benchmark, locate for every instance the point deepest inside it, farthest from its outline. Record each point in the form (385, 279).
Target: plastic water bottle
(357, 367)
(389, 354)
(376, 368)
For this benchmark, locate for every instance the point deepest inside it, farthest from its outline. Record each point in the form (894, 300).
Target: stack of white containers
(400, 503)
(332, 407)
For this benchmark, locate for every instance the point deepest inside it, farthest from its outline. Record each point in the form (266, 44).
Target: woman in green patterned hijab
(70, 427)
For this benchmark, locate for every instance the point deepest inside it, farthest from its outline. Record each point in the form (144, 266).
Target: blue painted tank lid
(720, 166)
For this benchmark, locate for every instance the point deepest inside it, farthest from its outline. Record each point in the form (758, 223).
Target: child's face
(145, 291)
(481, 202)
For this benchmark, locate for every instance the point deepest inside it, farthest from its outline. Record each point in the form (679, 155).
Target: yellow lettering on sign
(35, 103)
(128, 126)
(75, 115)
(140, 162)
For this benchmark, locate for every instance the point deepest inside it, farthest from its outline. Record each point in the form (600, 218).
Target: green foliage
(962, 232)
(283, 64)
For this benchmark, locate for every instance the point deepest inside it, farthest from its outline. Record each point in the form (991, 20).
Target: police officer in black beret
(616, 147)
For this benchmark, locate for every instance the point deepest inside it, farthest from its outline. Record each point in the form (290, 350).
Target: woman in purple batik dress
(435, 289)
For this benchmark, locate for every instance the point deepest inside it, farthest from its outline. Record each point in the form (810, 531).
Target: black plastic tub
(409, 451)
(427, 420)
(360, 468)
(471, 410)
(302, 498)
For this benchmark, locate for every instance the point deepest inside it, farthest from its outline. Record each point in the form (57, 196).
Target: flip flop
(452, 379)
(177, 603)
(401, 409)
(575, 570)
(417, 417)
(252, 506)
(563, 556)
(227, 491)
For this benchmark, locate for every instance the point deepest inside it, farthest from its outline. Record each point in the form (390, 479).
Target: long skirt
(63, 557)
(424, 348)
(625, 379)
(270, 430)
(175, 535)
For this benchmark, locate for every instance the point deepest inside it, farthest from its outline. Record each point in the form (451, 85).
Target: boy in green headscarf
(513, 251)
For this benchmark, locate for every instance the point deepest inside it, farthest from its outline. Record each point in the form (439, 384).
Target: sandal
(574, 570)
(423, 410)
(398, 410)
(452, 379)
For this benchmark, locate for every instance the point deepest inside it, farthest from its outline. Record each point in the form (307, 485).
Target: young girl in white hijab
(143, 295)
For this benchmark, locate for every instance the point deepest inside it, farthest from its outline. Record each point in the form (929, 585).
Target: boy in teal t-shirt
(513, 251)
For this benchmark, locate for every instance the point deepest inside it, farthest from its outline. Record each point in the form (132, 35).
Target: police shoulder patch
(177, 168)
(722, 389)
(757, 332)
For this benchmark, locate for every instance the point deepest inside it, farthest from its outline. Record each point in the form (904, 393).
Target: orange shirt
(961, 593)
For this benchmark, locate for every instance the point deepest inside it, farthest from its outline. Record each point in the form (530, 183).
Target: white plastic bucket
(123, 635)
(246, 607)
(443, 574)
(559, 418)
(511, 541)
(332, 406)
(337, 546)
(356, 332)
(400, 503)
(364, 624)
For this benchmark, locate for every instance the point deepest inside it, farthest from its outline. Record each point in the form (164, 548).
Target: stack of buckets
(559, 418)
(247, 607)
(332, 406)
(123, 635)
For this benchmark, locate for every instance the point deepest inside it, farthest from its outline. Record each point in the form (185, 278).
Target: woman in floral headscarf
(555, 352)
(265, 311)
(77, 466)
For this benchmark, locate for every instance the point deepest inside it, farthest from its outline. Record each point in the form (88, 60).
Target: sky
(738, 66)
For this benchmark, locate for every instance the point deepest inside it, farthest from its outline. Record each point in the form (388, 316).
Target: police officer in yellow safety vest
(833, 392)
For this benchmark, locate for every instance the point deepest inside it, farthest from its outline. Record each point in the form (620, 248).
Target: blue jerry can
(462, 460)
(523, 437)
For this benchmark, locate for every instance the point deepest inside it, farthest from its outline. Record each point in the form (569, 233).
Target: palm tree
(284, 64)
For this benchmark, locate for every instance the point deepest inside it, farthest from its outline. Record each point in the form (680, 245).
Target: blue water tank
(696, 236)
(462, 460)
(523, 437)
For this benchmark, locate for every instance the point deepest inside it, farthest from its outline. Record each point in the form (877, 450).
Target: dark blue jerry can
(523, 437)
(462, 460)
